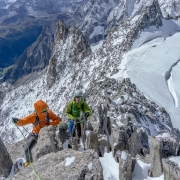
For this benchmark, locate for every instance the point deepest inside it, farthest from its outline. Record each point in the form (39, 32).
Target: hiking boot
(26, 164)
(69, 146)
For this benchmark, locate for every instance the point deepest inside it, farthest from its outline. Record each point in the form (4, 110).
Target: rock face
(47, 143)
(66, 164)
(16, 150)
(14, 40)
(22, 22)
(5, 161)
(161, 148)
(35, 58)
(129, 109)
(128, 9)
(96, 18)
(92, 141)
(4, 88)
(119, 141)
(68, 71)
(73, 48)
(148, 15)
(91, 18)
(125, 165)
(170, 9)
(171, 170)
(133, 119)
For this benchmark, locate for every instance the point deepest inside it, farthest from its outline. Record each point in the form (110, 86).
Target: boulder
(5, 161)
(119, 140)
(125, 165)
(92, 140)
(161, 147)
(103, 145)
(137, 140)
(47, 143)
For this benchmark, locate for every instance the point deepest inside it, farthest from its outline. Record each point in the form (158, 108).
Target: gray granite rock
(92, 141)
(125, 166)
(66, 164)
(103, 145)
(46, 143)
(171, 170)
(5, 161)
(161, 147)
(119, 140)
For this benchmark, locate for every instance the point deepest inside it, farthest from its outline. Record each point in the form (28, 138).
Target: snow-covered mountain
(72, 66)
(22, 22)
(37, 8)
(133, 73)
(91, 18)
(170, 9)
(27, 63)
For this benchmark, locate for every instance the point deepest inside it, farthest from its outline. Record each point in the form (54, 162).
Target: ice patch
(68, 161)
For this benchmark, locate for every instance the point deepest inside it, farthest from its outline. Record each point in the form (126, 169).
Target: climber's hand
(15, 120)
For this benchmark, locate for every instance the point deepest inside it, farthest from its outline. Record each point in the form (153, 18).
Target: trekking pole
(26, 130)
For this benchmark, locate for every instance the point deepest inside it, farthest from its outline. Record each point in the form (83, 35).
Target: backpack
(37, 118)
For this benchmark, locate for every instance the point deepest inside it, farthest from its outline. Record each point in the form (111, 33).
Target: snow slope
(111, 169)
(153, 67)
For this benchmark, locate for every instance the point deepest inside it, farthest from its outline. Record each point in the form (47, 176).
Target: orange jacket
(31, 119)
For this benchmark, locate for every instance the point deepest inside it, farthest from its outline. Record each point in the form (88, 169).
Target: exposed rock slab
(5, 161)
(54, 166)
(171, 170)
(47, 143)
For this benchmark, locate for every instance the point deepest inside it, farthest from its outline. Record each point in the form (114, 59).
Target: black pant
(31, 142)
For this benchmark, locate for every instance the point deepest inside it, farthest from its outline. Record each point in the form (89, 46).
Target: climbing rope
(31, 164)
(25, 130)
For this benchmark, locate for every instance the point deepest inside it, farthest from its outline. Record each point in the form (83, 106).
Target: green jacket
(73, 109)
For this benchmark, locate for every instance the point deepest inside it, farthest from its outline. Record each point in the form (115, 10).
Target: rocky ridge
(73, 48)
(95, 26)
(22, 22)
(91, 18)
(115, 104)
(76, 67)
(141, 121)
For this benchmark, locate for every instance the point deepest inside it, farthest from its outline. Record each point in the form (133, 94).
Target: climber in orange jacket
(41, 117)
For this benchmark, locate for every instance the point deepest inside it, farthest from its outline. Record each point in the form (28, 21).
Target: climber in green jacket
(76, 106)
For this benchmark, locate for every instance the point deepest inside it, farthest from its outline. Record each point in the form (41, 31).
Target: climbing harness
(37, 118)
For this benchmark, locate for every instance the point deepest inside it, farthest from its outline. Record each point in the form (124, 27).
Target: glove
(87, 114)
(15, 120)
(70, 127)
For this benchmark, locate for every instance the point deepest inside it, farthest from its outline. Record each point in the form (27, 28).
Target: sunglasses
(78, 97)
(45, 110)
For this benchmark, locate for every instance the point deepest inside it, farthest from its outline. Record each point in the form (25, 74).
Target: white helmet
(78, 93)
